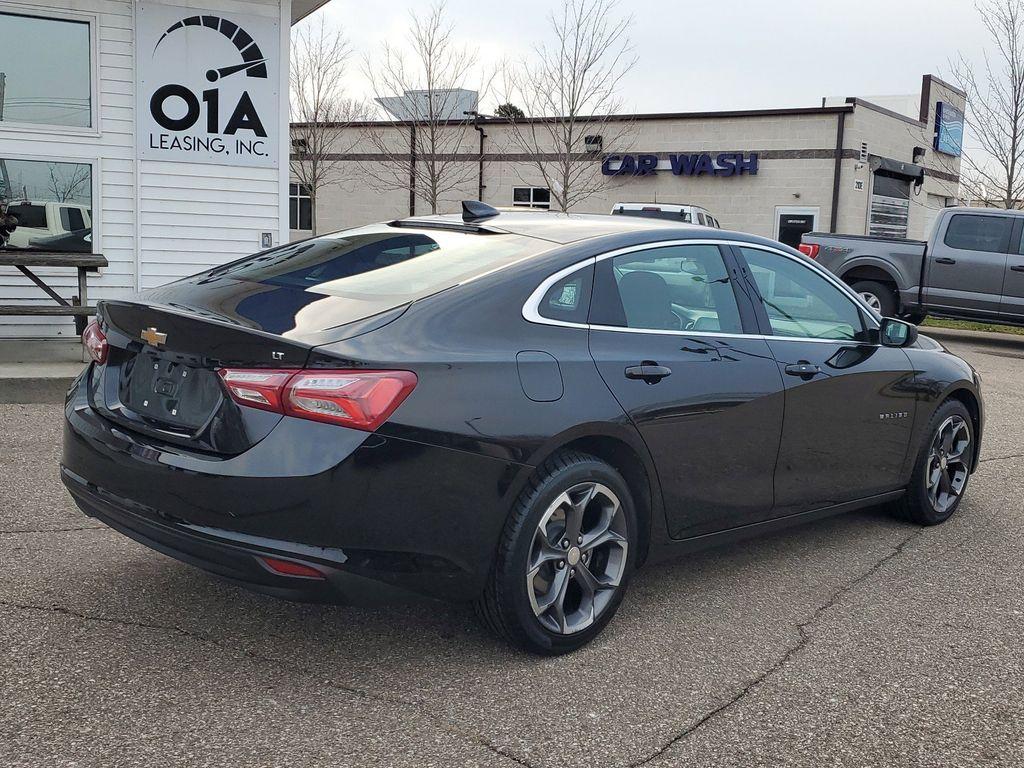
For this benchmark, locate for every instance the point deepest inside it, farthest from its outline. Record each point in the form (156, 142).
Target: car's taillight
(257, 388)
(358, 399)
(809, 249)
(290, 568)
(95, 342)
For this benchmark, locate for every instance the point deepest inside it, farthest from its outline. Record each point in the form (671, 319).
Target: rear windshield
(655, 214)
(383, 264)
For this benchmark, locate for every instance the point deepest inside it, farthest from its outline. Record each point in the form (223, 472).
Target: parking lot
(858, 640)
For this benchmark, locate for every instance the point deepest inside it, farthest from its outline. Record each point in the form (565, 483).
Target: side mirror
(896, 333)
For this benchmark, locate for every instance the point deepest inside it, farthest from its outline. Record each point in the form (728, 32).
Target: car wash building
(880, 166)
(150, 133)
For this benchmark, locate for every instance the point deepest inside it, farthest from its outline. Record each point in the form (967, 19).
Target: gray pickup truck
(970, 268)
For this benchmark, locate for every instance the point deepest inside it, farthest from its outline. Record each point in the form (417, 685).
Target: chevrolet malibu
(517, 410)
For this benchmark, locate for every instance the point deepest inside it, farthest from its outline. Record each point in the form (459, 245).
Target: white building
(157, 131)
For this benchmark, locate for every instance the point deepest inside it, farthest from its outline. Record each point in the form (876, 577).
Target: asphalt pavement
(855, 641)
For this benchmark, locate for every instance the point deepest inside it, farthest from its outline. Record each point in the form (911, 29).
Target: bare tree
(320, 112)
(994, 170)
(569, 89)
(66, 185)
(423, 86)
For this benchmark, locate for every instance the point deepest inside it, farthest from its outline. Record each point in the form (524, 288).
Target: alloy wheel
(948, 463)
(577, 558)
(871, 300)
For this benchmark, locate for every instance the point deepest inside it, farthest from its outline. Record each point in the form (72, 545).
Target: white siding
(112, 154)
(183, 218)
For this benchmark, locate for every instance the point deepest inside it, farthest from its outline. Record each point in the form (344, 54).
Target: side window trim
(733, 256)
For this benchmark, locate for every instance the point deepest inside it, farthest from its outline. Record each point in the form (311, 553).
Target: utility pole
(4, 177)
(3, 90)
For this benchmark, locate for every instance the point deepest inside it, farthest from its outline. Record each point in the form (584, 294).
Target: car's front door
(850, 403)
(967, 262)
(669, 335)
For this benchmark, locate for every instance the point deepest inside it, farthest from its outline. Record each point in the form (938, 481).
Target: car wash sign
(208, 86)
(725, 164)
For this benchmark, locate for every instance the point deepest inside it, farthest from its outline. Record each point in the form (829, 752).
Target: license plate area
(169, 392)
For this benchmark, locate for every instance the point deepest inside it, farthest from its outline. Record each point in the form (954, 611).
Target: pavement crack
(804, 628)
(282, 664)
(53, 530)
(1002, 458)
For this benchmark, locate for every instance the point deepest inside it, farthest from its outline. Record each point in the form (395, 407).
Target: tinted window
(382, 264)
(653, 212)
(676, 288)
(29, 215)
(569, 299)
(800, 302)
(71, 219)
(48, 71)
(700, 218)
(979, 233)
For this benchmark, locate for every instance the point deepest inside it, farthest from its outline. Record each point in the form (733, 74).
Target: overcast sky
(723, 54)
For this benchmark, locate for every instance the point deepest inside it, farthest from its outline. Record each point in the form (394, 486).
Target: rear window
(654, 213)
(29, 215)
(388, 266)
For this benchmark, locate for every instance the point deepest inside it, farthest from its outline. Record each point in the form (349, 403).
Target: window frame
(299, 197)
(532, 205)
(96, 208)
(731, 247)
(92, 19)
(870, 323)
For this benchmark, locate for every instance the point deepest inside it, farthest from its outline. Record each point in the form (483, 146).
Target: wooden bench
(77, 307)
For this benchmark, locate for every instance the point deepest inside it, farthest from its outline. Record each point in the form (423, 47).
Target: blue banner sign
(697, 164)
(949, 129)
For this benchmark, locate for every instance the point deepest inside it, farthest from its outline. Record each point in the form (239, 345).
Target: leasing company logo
(208, 89)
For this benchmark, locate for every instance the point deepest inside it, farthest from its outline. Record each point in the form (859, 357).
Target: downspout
(412, 169)
(837, 174)
(480, 173)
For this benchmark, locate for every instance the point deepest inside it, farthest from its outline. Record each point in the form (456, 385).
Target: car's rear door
(967, 262)
(1012, 305)
(850, 403)
(670, 334)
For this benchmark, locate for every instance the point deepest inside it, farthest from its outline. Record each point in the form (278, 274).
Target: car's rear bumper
(381, 517)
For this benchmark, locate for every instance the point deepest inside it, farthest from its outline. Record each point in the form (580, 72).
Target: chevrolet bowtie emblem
(154, 337)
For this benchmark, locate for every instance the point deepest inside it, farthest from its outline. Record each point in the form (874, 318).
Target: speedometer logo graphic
(253, 63)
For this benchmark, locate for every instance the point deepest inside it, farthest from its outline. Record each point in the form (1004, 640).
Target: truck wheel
(878, 296)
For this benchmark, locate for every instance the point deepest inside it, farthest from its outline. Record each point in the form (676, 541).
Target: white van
(690, 214)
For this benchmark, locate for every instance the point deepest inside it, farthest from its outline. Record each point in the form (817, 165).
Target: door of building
(792, 222)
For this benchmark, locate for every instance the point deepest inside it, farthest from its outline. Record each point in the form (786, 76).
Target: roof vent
(474, 210)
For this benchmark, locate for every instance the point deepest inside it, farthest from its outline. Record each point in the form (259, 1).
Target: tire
(548, 613)
(879, 296)
(920, 504)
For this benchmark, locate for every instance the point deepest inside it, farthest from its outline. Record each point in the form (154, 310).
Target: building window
(45, 205)
(45, 71)
(300, 208)
(531, 197)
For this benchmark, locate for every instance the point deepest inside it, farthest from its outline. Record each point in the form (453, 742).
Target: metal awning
(896, 167)
(302, 8)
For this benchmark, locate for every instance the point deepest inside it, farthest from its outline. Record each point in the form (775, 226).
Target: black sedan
(514, 409)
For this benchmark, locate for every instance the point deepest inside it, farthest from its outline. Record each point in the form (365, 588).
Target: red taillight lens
(291, 568)
(95, 342)
(809, 249)
(358, 399)
(257, 388)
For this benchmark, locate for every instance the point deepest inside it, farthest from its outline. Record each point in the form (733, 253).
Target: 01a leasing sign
(208, 86)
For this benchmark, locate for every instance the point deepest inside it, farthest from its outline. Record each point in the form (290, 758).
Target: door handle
(945, 260)
(803, 369)
(1018, 267)
(648, 371)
